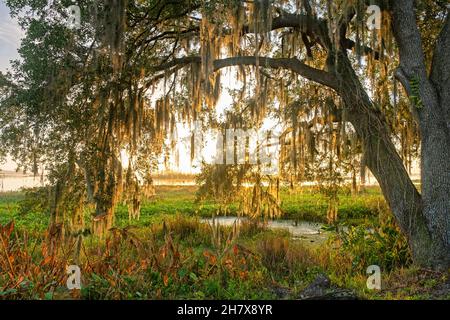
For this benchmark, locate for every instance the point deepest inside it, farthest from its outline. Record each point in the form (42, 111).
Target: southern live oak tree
(97, 80)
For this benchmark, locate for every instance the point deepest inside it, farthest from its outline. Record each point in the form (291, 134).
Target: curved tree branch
(292, 64)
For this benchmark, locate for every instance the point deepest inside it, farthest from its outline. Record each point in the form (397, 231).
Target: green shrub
(35, 200)
(381, 245)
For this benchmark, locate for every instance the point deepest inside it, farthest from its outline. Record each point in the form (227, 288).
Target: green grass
(302, 204)
(9, 210)
(309, 205)
(169, 200)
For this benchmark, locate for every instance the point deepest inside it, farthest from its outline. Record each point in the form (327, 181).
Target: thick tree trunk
(435, 126)
(432, 108)
(435, 169)
(418, 218)
(435, 162)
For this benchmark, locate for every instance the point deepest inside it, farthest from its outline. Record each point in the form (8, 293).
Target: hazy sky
(10, 35)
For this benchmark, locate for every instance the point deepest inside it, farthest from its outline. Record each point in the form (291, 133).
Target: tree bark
(432, 107)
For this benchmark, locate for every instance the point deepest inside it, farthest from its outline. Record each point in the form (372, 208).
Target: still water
(17, 182)
(301, 230)
(8, 184)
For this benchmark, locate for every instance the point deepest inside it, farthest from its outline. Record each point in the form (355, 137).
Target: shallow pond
(302, 230)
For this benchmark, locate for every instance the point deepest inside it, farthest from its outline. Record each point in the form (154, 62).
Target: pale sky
(10, 35)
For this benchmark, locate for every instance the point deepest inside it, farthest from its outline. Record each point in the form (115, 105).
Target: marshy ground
(175, 251)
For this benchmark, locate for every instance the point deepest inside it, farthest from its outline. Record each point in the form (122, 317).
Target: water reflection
(299, 230)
